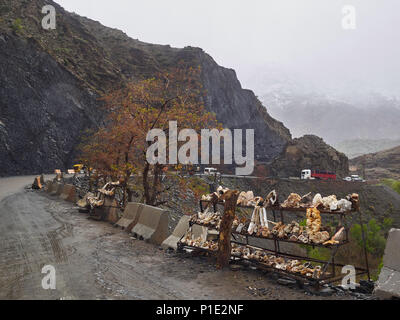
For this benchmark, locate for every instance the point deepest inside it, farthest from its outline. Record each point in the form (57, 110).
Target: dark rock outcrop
(238, 108)
(43, 110)
(235, 107)
(309, 152)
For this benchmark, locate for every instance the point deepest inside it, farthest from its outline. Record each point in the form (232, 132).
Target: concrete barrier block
(60, 188)
(388, 284)
(56, 189)
(113, 212)
(181, 228)
(130, 216)
(65, 191)
(37, 183)
(49, 186)
(391, 259)
(210, 234)
(72, 196)
(179, 231)
(152, 225)
(68, 193)
(109, 211)
(198, 231)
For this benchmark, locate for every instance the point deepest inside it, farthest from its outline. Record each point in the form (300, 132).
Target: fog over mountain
(309, 72)
(305, 38)
(354, 119)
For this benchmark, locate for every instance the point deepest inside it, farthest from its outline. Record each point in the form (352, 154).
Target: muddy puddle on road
(94, 260)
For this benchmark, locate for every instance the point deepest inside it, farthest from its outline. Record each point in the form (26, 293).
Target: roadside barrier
(130, 216)
(113, 210)
(65, 190)
(108, 211)
(56, 189)
(37, 183)
(68, 193)
(60, 187)
(152, 225)
(49, 186)
(73, 196)
(180, 230)
(388, 285)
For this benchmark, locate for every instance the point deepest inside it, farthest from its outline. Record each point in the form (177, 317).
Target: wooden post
(224, 241)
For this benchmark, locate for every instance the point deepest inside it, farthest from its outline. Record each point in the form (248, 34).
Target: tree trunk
(130, 194)
(146, 186)
(224, 241)
(156, 183)
(124, 193)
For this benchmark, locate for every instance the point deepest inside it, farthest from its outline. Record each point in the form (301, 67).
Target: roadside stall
(266, 219)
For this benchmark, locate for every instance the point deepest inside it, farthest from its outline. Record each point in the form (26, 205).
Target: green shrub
(17, 25)
(394, 184)
(374, 236)
(376, 275)
(386, 226)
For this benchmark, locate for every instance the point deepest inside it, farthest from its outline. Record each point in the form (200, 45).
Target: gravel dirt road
(94, 260)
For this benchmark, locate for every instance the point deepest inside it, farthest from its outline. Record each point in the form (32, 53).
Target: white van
(211, 171)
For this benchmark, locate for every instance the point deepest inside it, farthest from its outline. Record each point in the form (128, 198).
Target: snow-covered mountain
(336, 114)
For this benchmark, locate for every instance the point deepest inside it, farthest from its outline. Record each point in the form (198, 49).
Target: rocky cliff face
(43, 110)
(51, 80)
(309, 152)
(234, 106)
(238, 108)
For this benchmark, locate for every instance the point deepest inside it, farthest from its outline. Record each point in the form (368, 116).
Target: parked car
(356, 177)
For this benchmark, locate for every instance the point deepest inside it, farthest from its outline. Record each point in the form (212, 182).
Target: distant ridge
(383, 164)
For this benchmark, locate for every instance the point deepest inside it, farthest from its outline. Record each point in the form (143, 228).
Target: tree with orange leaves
(119, 148)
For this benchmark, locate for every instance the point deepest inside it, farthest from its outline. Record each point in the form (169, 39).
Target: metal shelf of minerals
(243, 239)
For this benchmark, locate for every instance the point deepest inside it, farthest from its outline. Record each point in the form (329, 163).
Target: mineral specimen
(317, 201)
(344, 205)
(293, 201)
(271, 199)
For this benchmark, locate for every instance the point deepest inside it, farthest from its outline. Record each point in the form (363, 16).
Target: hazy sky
(303, 37)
